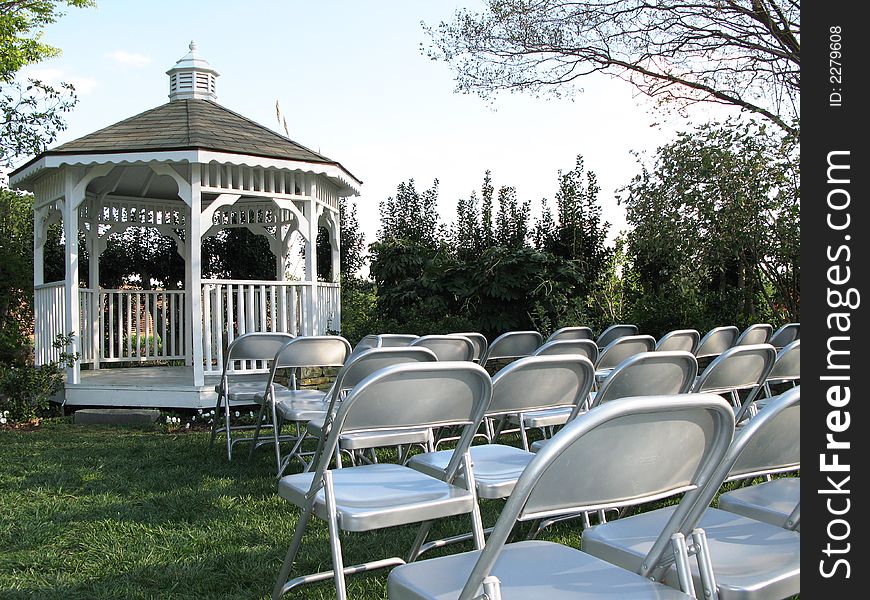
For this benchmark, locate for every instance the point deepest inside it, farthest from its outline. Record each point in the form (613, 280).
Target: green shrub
(26, 389)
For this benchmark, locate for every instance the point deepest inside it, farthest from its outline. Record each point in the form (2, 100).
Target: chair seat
(751, 559)
(771, 501)
(543, 418)
(496, 467)
(372, 439)
(305, 408)
(246, 388)
(380, 495)
(528, 570)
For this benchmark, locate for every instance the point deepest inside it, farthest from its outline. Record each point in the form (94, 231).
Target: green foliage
(352, 250)
(484, 274)
(412, 215)
(30, 112)
(577, 233)
(26, 390)
(16, 274)
(716, 230)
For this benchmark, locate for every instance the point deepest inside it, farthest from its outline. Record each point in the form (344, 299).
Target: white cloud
(83, 85)
(131, 59)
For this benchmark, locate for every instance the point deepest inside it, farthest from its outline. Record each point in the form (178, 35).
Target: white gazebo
(188, 168)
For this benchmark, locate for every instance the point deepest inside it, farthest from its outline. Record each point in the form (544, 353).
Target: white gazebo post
(71, 264)
(94, 251)
(39, 232)
(311, 213)
(194, 275)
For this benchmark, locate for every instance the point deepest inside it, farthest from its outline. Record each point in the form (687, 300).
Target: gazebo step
(115, 416)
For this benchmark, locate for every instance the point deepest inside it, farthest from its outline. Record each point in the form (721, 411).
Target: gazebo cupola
(192, 77)
(188, 168)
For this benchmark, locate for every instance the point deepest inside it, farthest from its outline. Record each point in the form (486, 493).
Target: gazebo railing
(149, 325)
(48, 312)
(231, 308)
(141, 325)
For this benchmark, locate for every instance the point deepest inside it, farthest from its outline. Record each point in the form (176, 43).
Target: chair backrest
(361, 365)
(540, 382)
(572, 333)
(679, 339)
(776, 450)
(513, 344)
(585, 347)
(787, 365)
(757, 333)
(649, 373)
(716, 341)
(776, 417)
(481, 344)
(738, 368)
(627, 452)
(312, 351)
(447, 347)
(623, 347)
(615, 331)
(256, 346)
(785, 335)
(389, 340)
(414, 395)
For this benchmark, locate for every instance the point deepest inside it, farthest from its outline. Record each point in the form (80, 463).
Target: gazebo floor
(158, 387)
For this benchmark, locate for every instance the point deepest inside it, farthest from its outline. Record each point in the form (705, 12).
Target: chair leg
(301, 526)
(334, 537)
(259, 425)
(227, 428)
(214, 424)
(276, 427)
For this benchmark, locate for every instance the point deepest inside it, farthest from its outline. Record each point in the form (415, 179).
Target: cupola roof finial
(192, 77)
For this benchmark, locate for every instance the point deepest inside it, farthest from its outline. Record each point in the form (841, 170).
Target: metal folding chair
(680, 339)
(716, 341)
(375, 496)
(785, 335)
(786, 368)
(625, 452)
(584, 347)
(738, 370)
(757, 333)
(776, 450)
(357, 368)
(512, 345)
(244, 375)
(447, 347)
(481, 344)
(748, 558)
(620, 349)
(281, 405)
(615, 332)
(572, 333)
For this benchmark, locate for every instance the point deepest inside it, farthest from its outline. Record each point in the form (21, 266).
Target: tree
(716, 228)
(744, 53)
(30, 113)
(352, 239)
(577, 233)
(16, 272)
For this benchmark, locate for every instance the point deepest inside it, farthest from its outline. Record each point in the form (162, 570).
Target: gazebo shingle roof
(190, 124)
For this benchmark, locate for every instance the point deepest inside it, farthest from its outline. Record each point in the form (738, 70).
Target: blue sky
(352, 83)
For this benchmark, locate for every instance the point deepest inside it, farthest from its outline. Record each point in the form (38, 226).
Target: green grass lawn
(109, 512)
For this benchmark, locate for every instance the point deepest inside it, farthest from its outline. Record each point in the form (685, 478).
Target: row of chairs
(632, 450)
(298, 407)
